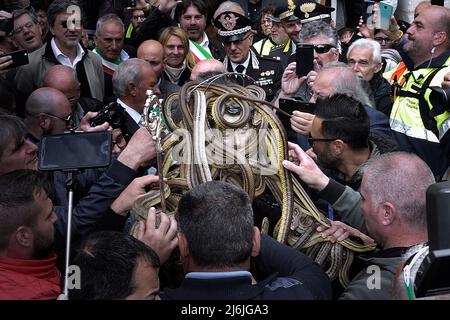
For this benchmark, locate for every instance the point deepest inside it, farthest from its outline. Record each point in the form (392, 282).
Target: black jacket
(266, 73)
(292, 276)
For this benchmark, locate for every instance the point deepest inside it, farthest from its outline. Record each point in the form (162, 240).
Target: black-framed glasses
(139, 17)
(382, 40)
(323, 48)
(312, 141)
(236, 42)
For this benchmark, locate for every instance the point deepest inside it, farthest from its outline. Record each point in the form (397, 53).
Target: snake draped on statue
(229, 133)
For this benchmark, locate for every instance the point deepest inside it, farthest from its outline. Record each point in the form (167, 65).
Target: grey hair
(391, 176)
(367, 43)
(20, 12)
(60, 6)
(346, 82)
(107, 18)
(318, 29)
(127, 71)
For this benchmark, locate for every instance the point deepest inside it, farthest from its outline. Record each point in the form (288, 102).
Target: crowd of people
(376, 140)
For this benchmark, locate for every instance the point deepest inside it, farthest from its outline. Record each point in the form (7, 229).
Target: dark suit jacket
(293, 276)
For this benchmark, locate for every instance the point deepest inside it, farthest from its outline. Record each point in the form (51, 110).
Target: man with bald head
(62, 78)
(153, 52)
(205, 67)
(421, 122)
(47, 111)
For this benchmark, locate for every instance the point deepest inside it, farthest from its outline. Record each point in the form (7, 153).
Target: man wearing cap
(308, 11)
(283, 16)
(237, 37)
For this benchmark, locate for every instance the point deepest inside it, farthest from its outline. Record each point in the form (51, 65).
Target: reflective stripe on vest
(413, 132)
(405, 116)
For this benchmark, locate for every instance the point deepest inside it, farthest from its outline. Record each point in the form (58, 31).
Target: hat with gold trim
(284, 10)
(309, 11)
(232, 26)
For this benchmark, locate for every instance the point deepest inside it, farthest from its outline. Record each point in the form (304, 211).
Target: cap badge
(307, 8)
(228, 21)
(291, 5)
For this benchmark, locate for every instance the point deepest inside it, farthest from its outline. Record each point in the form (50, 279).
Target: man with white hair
(131, 81)
(109, 42)
(364, 57)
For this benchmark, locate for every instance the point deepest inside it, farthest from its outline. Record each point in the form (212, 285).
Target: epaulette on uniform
(268, 58)
(278, 46)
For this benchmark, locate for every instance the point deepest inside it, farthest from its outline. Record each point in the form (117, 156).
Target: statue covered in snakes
(229, 133)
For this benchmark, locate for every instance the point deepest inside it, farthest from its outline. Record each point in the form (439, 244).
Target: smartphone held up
(304, 57)
(75, 151)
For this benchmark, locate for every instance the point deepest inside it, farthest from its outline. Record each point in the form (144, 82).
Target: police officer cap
(284, 10)
(232, 26)
(309, 11)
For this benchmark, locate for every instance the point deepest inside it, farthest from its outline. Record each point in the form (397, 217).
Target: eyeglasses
(20, 29)
(237, 42)
(312, 141)
(138, 17)
(67, 119)
(323, 48)
(382, 40)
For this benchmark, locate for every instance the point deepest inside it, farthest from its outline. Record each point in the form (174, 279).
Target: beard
(43, 246)
(327, 161)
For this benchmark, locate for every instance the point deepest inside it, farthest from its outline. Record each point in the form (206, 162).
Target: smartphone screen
(19, 58)
(304, 57)
(71, 151)
(385, 11)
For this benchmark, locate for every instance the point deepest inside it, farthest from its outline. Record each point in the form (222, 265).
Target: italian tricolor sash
(199, 52)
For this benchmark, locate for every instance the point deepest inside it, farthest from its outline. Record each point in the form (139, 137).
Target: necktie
(240, 69)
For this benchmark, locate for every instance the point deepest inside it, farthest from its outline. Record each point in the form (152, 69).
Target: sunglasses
(323, 48)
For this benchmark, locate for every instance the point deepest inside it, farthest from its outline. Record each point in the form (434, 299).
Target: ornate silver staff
(155, 125)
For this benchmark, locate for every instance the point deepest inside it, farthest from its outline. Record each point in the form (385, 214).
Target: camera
(440, 99)
(116, 116)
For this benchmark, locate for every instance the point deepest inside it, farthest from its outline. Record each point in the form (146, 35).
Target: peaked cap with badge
(309, 11)
(284, 10)
(232, 26)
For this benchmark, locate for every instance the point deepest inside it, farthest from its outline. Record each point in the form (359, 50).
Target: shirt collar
(133, 113)
(59, 55)
(205, 42)
(245, 63)
(218, 275)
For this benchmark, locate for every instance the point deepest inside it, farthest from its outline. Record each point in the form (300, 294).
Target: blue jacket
(292, 276)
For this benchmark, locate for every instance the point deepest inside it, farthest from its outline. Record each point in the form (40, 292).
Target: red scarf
(29, 279)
